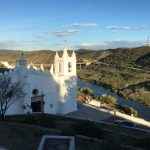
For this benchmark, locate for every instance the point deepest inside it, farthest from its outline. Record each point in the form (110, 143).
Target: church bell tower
(65, 65)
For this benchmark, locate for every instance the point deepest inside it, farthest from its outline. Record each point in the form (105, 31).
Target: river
(144, 111)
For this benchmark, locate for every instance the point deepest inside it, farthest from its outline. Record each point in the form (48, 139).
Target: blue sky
(98, 24)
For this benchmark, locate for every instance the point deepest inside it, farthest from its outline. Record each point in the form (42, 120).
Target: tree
(85, 94)
(130, 111)
(110, 100)
(9, 93)
(86, 91)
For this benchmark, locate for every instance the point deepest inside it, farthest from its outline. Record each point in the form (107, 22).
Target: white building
(48, 92)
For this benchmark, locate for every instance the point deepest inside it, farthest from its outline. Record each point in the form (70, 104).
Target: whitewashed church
(52, 92)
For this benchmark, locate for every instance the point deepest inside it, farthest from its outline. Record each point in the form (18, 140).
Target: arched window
(69, 67)
(35, 92)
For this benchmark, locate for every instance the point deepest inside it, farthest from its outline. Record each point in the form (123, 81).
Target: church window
(60, 67)
(69, 67)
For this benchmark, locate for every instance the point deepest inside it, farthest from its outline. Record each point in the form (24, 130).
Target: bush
(86, 91)
(128, 110)
(110, 100)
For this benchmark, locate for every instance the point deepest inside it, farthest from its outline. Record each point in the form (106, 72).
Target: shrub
(108, 100)
(86, 91)
(128, 110)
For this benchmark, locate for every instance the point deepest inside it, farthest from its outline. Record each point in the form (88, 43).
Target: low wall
(137, 120)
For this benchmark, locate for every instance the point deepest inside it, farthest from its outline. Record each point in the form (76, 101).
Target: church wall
(70, 104)
(47, 87)
(67, 93)
(15, 108)
(58, 87)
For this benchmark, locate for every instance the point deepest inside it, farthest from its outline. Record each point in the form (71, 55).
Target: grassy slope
(144, 61)
(104, 133)
(126, 56)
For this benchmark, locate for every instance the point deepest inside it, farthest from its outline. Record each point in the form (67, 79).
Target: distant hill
(41, 56)
(121, 56)
(126, 56)
(144, 61)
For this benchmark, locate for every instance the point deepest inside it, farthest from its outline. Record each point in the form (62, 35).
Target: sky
(53, 24)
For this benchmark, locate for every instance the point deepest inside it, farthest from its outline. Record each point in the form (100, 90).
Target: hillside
(42, 56)
(119, 70)
(144, 61)
(127, 56)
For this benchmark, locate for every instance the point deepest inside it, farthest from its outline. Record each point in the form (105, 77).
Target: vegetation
(144, 61)
(85, 94)
(120, 71)
(128, 110)
(86, 91)
(109, 102)
(108, 99)
(140, 92)
(9, 93)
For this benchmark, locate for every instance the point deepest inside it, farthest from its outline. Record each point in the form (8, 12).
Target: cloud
(79, 25)
(126, 28)
(110, 44)
(41, 37)
(9, 44)
(34, 44)
(19, 45)
(66, 33)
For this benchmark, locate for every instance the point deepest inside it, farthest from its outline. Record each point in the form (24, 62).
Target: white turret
(65, 65)
(73, 57)
(56, 63)
(56, 56)
(65, 53)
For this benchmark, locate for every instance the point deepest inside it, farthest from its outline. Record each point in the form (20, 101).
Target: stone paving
(89, 113)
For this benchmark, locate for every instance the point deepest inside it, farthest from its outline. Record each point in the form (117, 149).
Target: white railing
(140, 121)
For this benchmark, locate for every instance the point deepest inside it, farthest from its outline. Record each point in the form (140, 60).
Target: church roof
(2, 70)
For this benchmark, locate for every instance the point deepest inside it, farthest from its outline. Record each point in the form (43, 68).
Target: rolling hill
(122, 56)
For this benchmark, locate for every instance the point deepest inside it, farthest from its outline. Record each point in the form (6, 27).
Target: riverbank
(144, 111)
(128, 84)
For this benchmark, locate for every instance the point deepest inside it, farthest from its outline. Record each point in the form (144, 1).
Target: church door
(37, 103)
